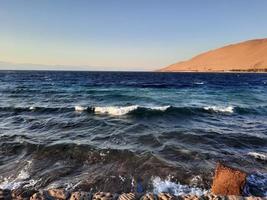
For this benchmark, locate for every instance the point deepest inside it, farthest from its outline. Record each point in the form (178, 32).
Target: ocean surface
(124, 131)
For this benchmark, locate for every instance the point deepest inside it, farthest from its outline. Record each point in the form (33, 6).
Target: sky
(121, 34)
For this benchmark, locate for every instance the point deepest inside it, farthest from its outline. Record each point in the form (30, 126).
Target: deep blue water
(94, 129)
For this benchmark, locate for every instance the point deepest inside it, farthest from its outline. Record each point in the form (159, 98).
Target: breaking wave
(115, 110)
(176, 189)
(228, 109)
(141, 110)
(259, 156)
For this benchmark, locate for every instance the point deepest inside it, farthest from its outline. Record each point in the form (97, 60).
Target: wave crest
(259, 156)
(115, 110)
(228, 109)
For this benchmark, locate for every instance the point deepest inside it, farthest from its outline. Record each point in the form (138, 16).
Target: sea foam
(22, 178)
(80, 108)
(176, 189)
(115, 110)
(123, 110)
(260, 156)
(228, 109)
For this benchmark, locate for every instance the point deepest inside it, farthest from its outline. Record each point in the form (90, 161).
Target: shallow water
(115, 130)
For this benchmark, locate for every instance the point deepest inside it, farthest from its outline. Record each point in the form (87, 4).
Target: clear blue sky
(123, 34)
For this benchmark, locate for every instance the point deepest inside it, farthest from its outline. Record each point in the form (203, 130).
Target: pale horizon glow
(121, 35)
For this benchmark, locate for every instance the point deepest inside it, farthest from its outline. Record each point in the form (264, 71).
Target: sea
(131, 131)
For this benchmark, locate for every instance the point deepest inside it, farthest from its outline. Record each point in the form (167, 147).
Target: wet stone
(233, 197)
(22, 194)
(165, 196)
(81, 196)
(127, 196)
(104, 196)
(255, 198)
(191, 197)
(58, 194)
(149, 196)
(39, 196)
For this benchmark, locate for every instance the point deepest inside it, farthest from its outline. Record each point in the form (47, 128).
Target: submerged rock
(22, 194)
(228, 181)
(5, 194)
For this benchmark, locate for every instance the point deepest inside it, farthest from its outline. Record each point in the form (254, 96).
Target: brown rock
(165, 196)
(127, 196)
(213, 197)
(255, 198)
(149, 196)
(228, 181)
(81, 196)
(191, 197)
(22, 194)
(58, 194)
(233, 197)
(104, 196)
(39, 196)
(5, 194)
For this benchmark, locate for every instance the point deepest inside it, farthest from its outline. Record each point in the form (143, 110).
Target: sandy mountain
(250, 55)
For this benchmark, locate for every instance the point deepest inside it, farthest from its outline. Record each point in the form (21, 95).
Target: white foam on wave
(115, 110)
(22, 178)
(161, 108)
(80, 108)
(176, 189)
(32, 108)
(122, 110)
(227, 109)
(199, 83)
(260, 156)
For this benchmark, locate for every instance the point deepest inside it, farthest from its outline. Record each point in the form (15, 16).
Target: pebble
(165, 196)
(149, 196)
(61, 194)
(104, 196)
(81, 196)
(39, 196)
(58, 194)
(127, 196)
(22, 194)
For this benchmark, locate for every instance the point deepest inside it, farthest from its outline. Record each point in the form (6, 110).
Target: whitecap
(80, 108)
(115, 110)
(32, 108)
(228, 109)
(199, 83)
(176, 189)
(260, 156)
(161, 108)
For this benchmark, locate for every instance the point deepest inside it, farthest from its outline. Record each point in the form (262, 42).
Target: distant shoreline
(156, 71)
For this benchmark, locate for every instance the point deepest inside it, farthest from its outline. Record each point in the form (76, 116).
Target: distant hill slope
(245, 56)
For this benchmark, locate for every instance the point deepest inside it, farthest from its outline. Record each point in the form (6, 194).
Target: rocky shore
(61, 194)
(228, 184)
